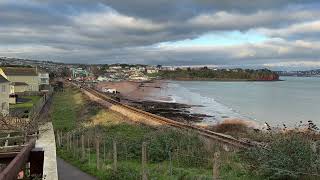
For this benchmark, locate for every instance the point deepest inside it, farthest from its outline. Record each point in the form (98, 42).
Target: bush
(287, 156)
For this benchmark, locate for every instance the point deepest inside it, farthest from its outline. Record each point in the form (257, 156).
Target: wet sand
(146, 96)
(137, 91)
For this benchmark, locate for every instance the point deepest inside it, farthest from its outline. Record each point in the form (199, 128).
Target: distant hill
(219, 74)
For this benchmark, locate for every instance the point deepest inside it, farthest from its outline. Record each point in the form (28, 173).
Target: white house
(4, 95)
(107, 90)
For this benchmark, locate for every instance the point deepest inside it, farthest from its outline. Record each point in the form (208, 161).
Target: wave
(208, 105)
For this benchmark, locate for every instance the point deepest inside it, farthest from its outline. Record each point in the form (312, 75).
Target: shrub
(287, 156)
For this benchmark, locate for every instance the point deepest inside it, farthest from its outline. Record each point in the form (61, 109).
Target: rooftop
(20, 71)
(19, 84)
(3, 79)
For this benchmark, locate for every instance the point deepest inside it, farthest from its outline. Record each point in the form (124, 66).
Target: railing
(19, 160)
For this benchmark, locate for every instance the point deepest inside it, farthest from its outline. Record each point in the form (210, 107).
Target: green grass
(131, 169)
(71, 111)
(65, 107)
(29, 104)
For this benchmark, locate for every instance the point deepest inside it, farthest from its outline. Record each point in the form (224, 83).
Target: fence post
(144, 161)
(7, 141)
(104, 151)
(89, 151)
(82, 147)
(314, 150)
(78, 149)
(74, 144)
(115, 155)
(70, 142)
(61, 135)
(67, 136)
(216, 165)
(98, 152)
(170, 163)
(58, 138)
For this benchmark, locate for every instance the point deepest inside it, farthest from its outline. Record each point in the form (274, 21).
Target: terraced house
(22, 79)
(4, 95)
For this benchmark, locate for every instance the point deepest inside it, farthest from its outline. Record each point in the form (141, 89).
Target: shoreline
(147, 96)
(220, 80)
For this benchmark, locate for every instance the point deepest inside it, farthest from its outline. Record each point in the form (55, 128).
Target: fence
(18, 156)
(36, 109)
(137, 160)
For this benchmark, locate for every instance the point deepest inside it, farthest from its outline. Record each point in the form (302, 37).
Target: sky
(244, 33)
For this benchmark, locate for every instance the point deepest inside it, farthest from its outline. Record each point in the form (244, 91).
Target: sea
(290, 101)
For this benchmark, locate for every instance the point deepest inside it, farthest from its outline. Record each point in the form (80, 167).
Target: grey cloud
(108, 31)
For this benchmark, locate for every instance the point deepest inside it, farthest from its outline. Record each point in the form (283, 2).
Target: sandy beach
(147, 96)
(138, 91)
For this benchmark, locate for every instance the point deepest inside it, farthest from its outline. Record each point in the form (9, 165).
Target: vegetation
(65, 107)
(29, 102)
(220, 74)
(288, 156)
(171, 154)
(174, 154)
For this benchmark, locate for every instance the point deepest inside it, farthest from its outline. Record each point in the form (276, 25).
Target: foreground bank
(109, 146)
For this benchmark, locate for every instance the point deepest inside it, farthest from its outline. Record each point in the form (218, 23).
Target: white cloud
(227, 20)
(293, 30)
(305, 64)
(112, 20)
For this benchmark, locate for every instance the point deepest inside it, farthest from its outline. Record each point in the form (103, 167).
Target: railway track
(162, 120)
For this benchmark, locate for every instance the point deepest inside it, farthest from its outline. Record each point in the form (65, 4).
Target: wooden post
(89, 151)
(82, 147)
(115, 156)
(170, 163)
(61, 135)
(98, 152)
(104, 151)
(67, 136)
(78, 149)
(58, 138)
(216, 165)
(7, 141)
(70, 142)
(144, 161)
(74, 144)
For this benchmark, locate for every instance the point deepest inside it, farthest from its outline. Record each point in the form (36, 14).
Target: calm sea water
(290, 101)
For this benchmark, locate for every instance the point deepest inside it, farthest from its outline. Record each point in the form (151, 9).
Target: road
(68, 172)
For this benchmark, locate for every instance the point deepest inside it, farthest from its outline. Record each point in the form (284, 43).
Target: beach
(148, 96)
(138, 91)
(152, 97)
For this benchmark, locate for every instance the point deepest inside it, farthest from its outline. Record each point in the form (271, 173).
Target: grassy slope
(65, 107)
(71, 110)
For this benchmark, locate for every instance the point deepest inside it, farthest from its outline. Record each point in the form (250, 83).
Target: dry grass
(107, 117)
(230, 126)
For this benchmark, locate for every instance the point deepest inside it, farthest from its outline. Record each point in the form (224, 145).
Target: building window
(3, 88)
(3, 106)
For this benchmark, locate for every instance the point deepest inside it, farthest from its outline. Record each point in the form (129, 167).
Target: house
(4, 95)
(107, 90)
(152, 71)
(79, 73)
(43, 80)
(22, 78)
(103, 78)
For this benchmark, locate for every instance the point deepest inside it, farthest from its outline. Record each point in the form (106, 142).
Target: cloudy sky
(249, 33)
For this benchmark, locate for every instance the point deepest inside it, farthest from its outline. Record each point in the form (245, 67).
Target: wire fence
(140, 160)
(147, 159)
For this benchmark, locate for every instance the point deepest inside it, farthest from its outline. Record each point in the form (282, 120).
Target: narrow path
(68, 172)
